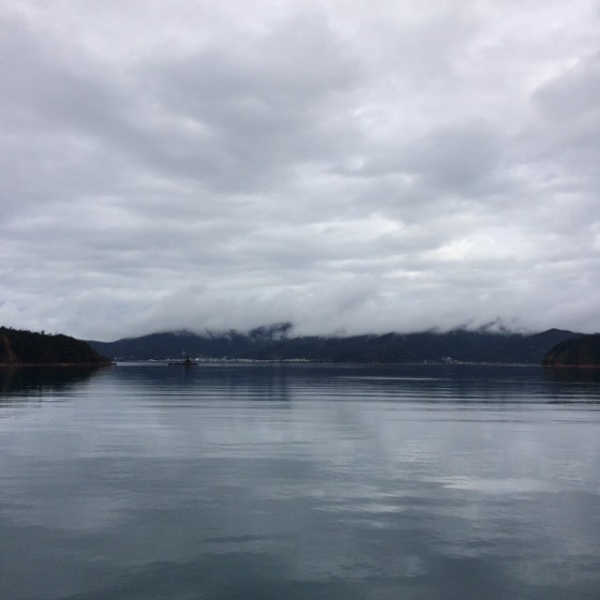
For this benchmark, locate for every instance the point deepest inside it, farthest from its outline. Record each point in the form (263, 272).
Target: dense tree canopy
(582, 351)
(28, 347)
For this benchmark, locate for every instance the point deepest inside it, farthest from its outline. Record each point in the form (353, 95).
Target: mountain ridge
(275, 342)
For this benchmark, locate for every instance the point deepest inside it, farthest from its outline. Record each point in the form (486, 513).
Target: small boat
(188, 362)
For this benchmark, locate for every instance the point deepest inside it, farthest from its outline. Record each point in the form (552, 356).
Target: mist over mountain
(277, 342)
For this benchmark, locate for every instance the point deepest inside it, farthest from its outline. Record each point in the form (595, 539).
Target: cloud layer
(346, 166)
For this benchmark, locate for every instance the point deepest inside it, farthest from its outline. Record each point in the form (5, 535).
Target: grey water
(293, 481)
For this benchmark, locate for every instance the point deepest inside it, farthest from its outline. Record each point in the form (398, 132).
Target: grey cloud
(348, 168)
(569, 106)
(573, 95)
(260, 109)
(463, 159)
(43, 94)
(456, 159)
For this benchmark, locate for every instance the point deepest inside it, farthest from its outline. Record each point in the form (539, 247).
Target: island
(580, 351)
(21, 347)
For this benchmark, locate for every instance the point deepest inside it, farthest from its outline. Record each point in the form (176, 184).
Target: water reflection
(230, 380)
(573, 375)
(303, 481)
(35, 381)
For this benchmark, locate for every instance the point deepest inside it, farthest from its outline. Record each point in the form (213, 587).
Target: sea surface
(299, 481)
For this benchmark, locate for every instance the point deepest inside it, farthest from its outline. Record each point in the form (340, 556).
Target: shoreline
(57, 364)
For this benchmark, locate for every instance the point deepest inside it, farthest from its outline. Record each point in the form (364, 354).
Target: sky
(349, 166)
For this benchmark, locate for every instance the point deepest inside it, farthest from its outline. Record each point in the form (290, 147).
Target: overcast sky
(347, 165)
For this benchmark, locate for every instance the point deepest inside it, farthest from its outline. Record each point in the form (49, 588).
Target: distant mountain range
(276, 342)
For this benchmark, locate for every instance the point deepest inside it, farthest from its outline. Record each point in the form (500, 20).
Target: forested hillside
(582, 351)
(19, 347)
(277, 343)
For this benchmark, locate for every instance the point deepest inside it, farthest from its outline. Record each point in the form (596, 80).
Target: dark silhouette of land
(20, 347)
(581, 351)
(275, 342)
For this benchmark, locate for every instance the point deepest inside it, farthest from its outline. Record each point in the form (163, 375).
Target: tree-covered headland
(20, 347)
(582, 351)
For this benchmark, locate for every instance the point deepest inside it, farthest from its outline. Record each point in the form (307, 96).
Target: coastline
(4, 365)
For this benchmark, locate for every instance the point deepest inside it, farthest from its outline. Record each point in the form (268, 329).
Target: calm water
(299, 481)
